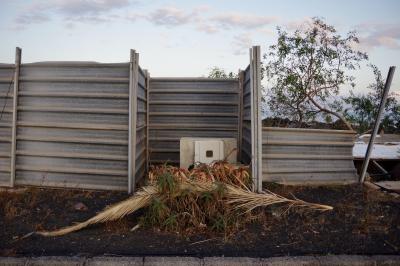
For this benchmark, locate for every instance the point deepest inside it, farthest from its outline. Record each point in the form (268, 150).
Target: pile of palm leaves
(214, 197)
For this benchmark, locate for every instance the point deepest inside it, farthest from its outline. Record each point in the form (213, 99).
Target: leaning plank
(389, 185)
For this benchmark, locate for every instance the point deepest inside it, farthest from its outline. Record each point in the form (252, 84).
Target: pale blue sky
(186, 38)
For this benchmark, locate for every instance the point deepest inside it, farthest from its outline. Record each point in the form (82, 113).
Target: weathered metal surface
(190, 107)
(6, 107)
(390, 185)
(255, 86)
(14, 115)
(141, 126)
(72, 127)
(132, 119)
(308, 156)
(250, 131)
(246, 147)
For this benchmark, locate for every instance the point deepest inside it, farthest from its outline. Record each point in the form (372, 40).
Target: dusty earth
(364, 221)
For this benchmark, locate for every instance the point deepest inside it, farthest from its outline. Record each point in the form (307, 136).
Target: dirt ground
(363, 221)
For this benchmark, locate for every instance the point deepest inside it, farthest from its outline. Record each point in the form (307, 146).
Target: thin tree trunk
(300, 121)
(348, 125)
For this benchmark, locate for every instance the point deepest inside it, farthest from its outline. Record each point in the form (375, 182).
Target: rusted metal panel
(190, 107)
(308, 156)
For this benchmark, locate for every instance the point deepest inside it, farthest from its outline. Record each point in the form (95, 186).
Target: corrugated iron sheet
(6, 107)
(141, 127)
(190, 107)
(246, 118)
(72, 127)
(313, 156)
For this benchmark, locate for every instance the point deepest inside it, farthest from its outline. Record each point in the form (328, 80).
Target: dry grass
(216, 197)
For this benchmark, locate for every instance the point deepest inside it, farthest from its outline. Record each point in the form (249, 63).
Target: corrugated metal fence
(190, 107)
(245, 136)
(73, 126)
(6, 107)
(91, 125)
(250, 126)
(141, 159)
(308, 156)
(288, 155)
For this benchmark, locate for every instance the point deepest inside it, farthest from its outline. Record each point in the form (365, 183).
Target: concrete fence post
(14, 115)
(133, 83)
(256, 143)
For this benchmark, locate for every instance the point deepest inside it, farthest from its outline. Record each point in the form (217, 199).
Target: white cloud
(235, 20)
(74, 8)
(379, 35)
(69, 10)
(207, 28)
(370, 34)
(170, 16)
(27, 18)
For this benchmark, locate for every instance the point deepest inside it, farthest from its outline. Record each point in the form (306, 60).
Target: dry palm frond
(248, 200)
(141, 199)
(170, 183)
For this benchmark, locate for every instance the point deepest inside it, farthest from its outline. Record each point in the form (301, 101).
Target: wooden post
(377, 122)
(147, 120)
(133, 83)
(240, 115)
(15, 116)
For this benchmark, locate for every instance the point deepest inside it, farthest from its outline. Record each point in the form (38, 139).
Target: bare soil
(364, 221)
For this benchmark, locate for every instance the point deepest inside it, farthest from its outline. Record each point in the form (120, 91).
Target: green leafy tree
(306, 69)
(363, 108)
(220, 73)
